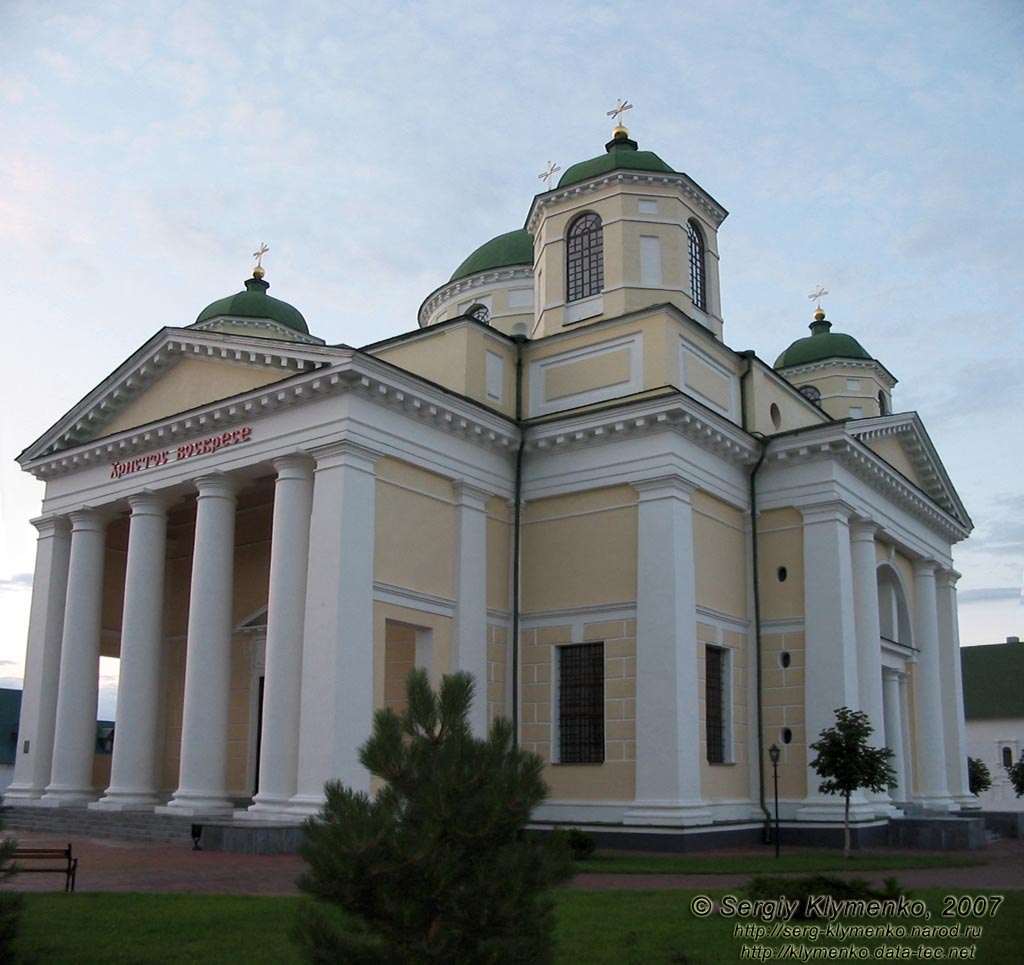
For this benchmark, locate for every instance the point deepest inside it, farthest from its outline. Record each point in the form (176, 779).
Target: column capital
(947, 577)
(671, 485)
(926, 567)
(50, 525)
(832, 510)
(295, 465)
(216, 484)
(863, 530)
(345, 453)
(468, 495)
(88, 519)
(148, 503)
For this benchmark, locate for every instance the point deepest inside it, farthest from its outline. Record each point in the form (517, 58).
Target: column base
(125, 801)
(68, 797)
(306, 805)
(967, 802)
(937, 803)
(670, 814)
(268, 813)
(23, 796)
(196, 805)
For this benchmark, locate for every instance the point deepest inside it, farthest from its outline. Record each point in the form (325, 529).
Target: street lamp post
(774, 753)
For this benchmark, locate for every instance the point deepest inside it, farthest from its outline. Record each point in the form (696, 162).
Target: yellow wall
(415, 532)
(497, 673)
(191, 383)
(892, 451)
(615, 779)
(395, 623)
(783, 706)
(781, 543)
(580, 550)
(499, 554)
(720, 550)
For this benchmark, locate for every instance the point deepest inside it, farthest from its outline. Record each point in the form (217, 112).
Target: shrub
(804, 887)
(581, 844)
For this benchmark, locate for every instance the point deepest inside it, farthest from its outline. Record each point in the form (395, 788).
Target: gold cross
(258, 255)
(548, 173)
(816, 295)
(619, 110)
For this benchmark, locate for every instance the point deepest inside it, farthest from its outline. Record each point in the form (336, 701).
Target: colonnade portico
(843, 630)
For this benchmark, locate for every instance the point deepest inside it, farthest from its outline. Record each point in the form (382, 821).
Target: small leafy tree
(978, 777)
(437, 867)
(1015, 772)
(848, 762)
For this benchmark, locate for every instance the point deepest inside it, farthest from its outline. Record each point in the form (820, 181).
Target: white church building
(657, 555)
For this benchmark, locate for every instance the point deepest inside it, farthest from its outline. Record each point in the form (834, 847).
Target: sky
(873, 148)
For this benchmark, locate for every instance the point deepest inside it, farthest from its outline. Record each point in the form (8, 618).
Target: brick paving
(110, 864)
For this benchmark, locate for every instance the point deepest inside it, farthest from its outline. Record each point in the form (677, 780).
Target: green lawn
(594, 928)
(805, 862)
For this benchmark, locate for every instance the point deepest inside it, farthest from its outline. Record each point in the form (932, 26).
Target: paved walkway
(109, 864)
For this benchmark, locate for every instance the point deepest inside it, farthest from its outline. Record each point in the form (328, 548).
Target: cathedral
(657, 556)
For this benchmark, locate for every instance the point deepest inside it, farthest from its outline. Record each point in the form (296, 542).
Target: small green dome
(620, 154)
(511, 248)
(821, 344)
(254, 302)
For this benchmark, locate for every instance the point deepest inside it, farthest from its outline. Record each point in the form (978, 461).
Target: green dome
(821, 344)
(620, 154)
(511, 248)
(254, 302)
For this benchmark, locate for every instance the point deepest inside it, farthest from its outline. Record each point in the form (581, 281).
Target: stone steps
(78, 820)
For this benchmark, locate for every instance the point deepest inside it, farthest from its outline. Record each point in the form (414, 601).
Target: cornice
(356, 373)
(700, 199)
(677, 413)
(872, 470)
(468, 284)
(286, 333)
(881, 372)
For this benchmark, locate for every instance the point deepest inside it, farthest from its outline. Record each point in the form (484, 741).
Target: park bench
(48, 861)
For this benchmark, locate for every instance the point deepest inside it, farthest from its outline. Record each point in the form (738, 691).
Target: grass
(611, 862)
(593, 928)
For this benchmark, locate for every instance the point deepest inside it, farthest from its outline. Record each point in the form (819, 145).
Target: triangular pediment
(901, 440)
(175, 371)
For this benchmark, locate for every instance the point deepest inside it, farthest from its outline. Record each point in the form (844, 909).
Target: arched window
(882, 410)
(697, 287)
(584, 259)
(1007, 757)
(812, 393)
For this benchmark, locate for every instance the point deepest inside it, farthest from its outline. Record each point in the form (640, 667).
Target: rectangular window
(715, 679)
(581, 704)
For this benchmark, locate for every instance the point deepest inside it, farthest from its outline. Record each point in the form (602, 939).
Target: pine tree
(848, 762)
(436, 867)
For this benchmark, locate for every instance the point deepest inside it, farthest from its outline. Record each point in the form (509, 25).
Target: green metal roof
(620, 154)
(992, 680)
(254, 302)
(511, 248)
(821, 344)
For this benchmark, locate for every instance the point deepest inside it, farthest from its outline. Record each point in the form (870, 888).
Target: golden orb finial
(258, 271)
(819, 315)
(616, 112)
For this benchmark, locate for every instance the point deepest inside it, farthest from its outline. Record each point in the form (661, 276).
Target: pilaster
(471, 597)
(955, 732)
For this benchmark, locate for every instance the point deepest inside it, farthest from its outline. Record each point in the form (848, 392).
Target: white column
(471, 598)
(952, 691)
(42, 662)
(289, 560)
(668, 758)
(74, 742)
(869, 640)
(929, 730)
(830, 635)
(133, 770)
(337, 658)
(202, 779)
(894, 733)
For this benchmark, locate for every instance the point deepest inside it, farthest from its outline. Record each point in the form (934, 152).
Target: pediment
(901, 440)
(175, 371)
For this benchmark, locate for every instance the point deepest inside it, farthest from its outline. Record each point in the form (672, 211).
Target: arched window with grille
(584, 258)
(698, 288)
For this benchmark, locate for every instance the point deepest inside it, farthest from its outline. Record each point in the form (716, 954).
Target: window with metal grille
(581, 703)
(696, 239)
(714, 703)
(584, 258)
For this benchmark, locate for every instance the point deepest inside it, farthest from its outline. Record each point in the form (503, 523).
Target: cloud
(987, 594)
(16, 583)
